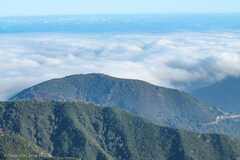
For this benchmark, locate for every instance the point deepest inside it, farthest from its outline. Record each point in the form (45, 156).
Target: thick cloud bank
(180, 60)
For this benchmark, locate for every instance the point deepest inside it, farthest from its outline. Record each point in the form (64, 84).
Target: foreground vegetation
(78, 130)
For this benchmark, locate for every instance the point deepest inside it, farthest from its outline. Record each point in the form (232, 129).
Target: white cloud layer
(173, 60)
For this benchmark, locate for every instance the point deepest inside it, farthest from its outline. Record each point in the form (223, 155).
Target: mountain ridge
(223, 94)
(164, 106)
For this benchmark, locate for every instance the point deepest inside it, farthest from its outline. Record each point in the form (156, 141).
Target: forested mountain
(78, 130)
(162, 106)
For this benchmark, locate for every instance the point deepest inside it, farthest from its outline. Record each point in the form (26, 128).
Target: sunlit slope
(89, 132)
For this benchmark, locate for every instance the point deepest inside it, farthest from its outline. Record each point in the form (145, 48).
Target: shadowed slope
(224, 94)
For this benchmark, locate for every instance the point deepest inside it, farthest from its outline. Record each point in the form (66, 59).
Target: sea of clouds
(178, 60)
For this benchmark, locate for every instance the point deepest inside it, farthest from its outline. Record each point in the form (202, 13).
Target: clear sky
(64, 7)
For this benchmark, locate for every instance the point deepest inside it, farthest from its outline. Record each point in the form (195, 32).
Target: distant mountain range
(155, 23)
(163, 106)
(224, 94)
(74, 130)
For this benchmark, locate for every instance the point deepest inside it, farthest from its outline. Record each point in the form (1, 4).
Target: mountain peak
(90, 75)
(163, 106)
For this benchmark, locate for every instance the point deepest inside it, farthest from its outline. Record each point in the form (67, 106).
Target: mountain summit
(164, 106)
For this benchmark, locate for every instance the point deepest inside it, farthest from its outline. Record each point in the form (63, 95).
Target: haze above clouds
(76, 7)
(178, 60)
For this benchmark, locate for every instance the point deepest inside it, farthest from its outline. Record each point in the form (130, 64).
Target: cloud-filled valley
(179, 60)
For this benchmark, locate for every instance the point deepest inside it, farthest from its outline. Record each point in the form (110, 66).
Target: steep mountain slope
(87, 132)
(160, 105)
(16, 147)
(224, 94)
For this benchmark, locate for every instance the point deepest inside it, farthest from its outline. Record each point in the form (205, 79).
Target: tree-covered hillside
(87, 132)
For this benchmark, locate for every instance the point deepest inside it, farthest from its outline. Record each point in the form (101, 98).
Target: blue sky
(63, 7)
